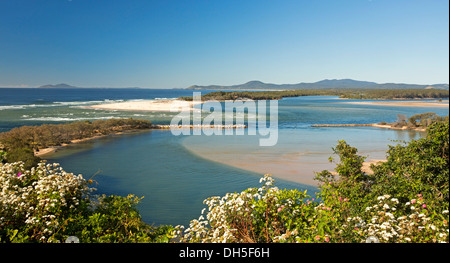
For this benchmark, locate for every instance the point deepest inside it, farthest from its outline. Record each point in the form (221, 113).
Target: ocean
(175, 174)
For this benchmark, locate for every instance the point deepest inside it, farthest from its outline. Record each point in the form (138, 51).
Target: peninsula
(418, 122)
(29, 143)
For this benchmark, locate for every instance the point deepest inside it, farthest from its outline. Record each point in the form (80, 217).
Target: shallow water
(299, 152)
(155, 165)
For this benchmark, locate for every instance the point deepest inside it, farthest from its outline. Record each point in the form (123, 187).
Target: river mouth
(175, 174)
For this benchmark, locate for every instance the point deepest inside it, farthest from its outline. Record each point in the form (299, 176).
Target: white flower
(390, 215)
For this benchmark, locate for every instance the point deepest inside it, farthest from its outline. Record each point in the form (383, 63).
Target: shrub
(2, 155)
(388, 220)
(47, 204)
(255, 215)
(419, 167)
(268, 214)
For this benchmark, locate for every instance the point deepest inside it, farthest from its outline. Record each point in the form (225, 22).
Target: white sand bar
(148, 105)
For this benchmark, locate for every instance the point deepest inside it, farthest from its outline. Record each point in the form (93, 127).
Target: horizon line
(137, 87)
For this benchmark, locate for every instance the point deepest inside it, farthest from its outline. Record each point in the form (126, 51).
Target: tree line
(20, 143)
(342, 93)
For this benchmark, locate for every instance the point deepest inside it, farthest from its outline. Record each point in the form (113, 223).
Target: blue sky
(175, 44)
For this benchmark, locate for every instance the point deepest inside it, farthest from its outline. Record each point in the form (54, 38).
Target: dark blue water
(39, 106)
(27, 96)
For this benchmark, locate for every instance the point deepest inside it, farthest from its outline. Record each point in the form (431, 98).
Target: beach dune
(148, 105)
(181, 105)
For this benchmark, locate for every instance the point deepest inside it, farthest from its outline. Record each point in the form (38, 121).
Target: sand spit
(149, 105)
(403, 103)
(384, 126)
(53, 149)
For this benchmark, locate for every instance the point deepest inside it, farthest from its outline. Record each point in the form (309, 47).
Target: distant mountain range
(58, 86)
(66, 86)
(323, 84)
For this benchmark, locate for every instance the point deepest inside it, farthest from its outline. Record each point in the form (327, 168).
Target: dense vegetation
(20, 143)
(405, 200)
(262, 95)
(343, 93)
(396, 94)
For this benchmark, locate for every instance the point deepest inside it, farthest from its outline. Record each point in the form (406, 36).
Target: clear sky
(178, 43)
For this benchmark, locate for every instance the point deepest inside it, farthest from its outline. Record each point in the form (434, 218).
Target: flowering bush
(47, 204)
(265, 214)
(37, 201)
(268, 214)
(385, 222)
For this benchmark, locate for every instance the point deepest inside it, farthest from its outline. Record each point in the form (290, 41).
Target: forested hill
(323, 84)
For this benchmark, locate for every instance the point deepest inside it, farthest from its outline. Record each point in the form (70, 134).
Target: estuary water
(175, 174)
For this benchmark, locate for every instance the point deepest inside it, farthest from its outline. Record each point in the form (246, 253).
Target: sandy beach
(52, 149)
(403, 103)
(180, 105)
(149, 105)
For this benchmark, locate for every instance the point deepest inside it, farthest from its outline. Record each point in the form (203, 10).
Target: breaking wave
(56, 119)
(57, 104)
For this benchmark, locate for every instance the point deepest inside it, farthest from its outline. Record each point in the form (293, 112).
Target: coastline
(148, 105)
(176, 105)
(377, 125)
(49, 150)
(402, 103)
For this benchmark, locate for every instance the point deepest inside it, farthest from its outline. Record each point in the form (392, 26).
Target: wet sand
(291, 166)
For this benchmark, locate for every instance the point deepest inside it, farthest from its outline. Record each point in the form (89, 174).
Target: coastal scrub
(47, 204)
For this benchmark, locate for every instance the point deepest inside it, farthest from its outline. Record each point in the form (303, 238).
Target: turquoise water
(176, 173)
